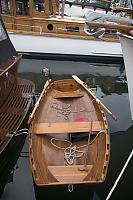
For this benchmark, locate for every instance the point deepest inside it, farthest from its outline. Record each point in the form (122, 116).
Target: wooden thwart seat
(70, 94)
(67, 127)
(69, 173)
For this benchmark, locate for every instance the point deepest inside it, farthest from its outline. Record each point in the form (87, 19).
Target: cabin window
(72, 28)
(39, 5)
(22, 7)
(5, 6)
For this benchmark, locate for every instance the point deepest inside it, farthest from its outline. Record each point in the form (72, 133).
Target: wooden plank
(69, 173)
(67, 127)
(69, 94)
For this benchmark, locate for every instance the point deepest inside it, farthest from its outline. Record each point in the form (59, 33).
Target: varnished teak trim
(67, 127)
(65, 173)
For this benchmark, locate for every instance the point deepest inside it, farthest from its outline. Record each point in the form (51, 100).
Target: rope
(70, 152)
(19, 132)
(102, 131)
(117, 180)
(66, 111)
(70, 187)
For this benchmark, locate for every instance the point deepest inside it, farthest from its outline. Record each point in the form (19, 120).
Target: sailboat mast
(63, 8)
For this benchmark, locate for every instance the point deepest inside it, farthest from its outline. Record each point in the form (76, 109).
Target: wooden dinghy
(69, 141)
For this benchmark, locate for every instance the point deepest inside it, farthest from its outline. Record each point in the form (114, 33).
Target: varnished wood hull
(14, 91)
(65, 110)
(14, 100)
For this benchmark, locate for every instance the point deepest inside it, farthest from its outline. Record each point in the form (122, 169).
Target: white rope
(122, 171)
(70, 187)
(70, 152)
(19, 132)
(102, 131)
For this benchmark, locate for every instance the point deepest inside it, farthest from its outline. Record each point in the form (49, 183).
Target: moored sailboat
(42, 23)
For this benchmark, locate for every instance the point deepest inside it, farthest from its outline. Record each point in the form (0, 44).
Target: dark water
(103, 79)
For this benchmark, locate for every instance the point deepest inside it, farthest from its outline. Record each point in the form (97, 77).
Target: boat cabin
(30, 8)
(44, 17)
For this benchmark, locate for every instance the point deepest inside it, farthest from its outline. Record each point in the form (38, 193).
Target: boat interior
(67, 117)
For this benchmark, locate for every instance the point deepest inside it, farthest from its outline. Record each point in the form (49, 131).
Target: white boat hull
(39, 44)
(127, 49)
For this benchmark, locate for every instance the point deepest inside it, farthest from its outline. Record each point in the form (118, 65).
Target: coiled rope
(70, 152)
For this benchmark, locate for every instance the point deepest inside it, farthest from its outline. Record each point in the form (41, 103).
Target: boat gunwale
(10, 65)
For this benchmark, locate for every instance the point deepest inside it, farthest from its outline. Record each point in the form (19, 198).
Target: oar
(37, 103)
(91, 93)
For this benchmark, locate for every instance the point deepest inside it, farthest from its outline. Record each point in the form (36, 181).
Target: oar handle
(110, 113)
(37, 103)
(91, 93)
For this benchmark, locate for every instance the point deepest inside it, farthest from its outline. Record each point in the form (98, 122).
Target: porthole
(50, 27)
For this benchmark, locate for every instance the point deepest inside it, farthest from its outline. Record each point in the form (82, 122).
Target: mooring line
(117, 180)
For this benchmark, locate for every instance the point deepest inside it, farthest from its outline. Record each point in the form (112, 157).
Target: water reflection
(114, 94)
(61, 192)
(8, 160)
